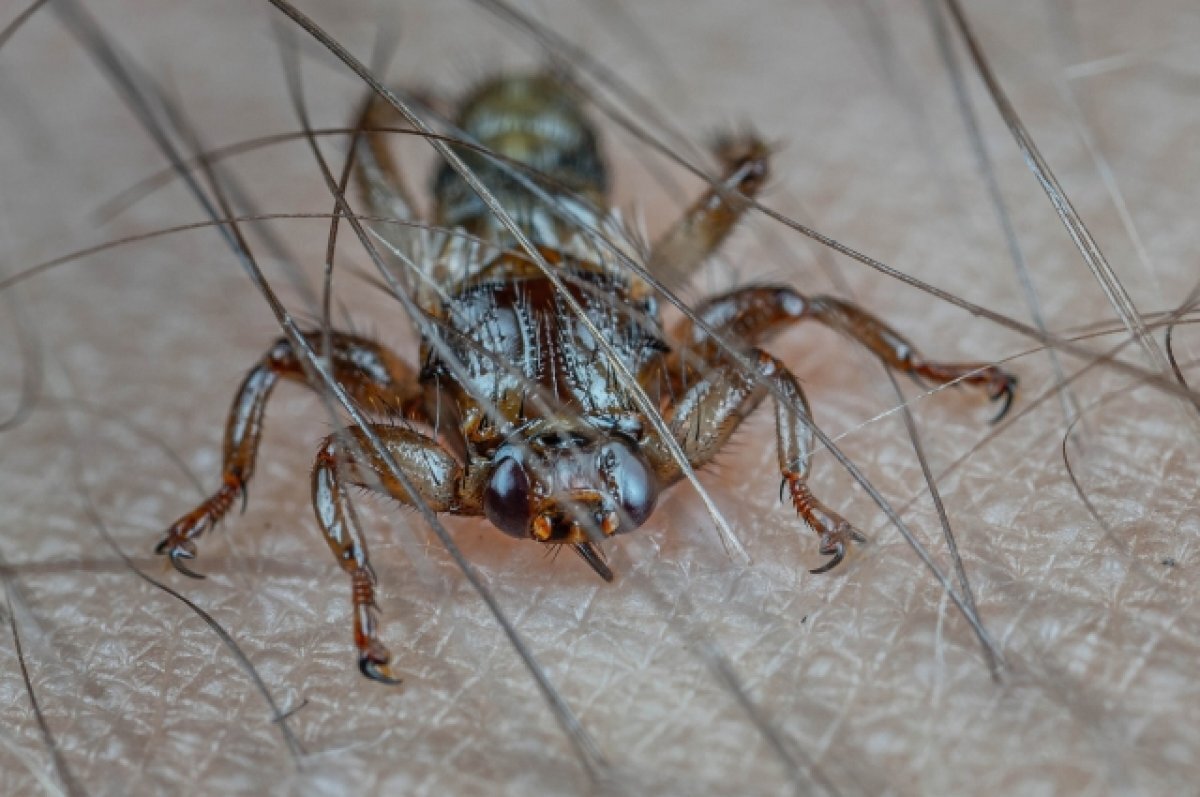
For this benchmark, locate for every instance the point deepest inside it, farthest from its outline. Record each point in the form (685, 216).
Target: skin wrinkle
(1144, 654)
(651, 704)
(1158, 584)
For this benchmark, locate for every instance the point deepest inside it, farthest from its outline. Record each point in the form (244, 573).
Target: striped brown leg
(751, 315)
(710, 395)
(370, 373)
(348, 459)
(745, 162)
(703, 419)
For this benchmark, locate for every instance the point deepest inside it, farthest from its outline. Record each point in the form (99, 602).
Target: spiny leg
(370, 373)
(703, 419)
(745, 163)
(750, 315)
(348, 458)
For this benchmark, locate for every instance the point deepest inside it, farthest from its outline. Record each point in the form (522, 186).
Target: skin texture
(868, 676)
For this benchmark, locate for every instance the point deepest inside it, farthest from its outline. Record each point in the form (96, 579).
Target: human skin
(868, 676)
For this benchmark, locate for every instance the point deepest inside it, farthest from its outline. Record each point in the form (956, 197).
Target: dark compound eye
(506, 500)
(630, 482)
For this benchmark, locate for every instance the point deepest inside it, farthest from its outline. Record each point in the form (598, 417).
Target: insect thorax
(517, 347)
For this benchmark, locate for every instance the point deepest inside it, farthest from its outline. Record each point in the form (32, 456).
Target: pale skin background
(868, 677)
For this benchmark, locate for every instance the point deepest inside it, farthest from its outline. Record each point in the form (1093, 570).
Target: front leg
(704, 418)
(348, 458)
(369, 372)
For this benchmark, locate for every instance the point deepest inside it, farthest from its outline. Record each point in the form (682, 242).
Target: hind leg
(745, 163)
(751, 315)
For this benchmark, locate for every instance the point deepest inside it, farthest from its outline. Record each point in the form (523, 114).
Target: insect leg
(371, 374)
(348, 458)
(751, 315)
(704, 418)
(386, 196)
(897, 353)
(383, 189)
(706, 224)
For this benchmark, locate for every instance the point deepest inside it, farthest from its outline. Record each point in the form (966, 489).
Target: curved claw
(839, 553)
(1005, 394)
(377, 670)
(177, 552)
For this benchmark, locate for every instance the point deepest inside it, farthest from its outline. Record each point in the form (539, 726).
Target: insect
(534, 426)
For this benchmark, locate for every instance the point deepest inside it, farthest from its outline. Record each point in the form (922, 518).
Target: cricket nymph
(526, 384)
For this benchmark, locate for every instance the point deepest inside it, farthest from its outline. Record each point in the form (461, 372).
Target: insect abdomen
(534, 121)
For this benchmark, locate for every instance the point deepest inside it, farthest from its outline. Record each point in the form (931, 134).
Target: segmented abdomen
(531, 121)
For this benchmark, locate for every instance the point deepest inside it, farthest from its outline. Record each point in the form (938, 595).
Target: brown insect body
(536, 426)
(522, 340)
(517, 336)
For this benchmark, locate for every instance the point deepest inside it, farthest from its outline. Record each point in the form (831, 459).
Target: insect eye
(630, 482)
(506, 500)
